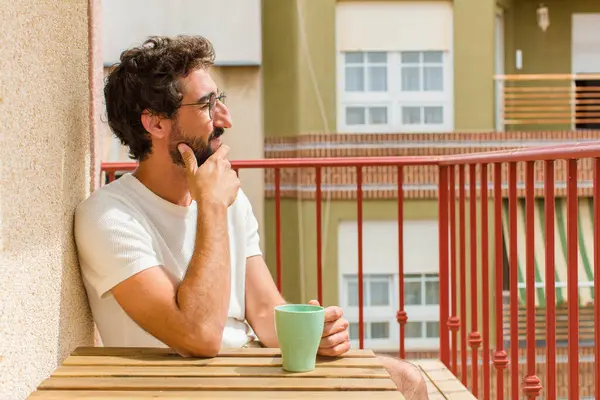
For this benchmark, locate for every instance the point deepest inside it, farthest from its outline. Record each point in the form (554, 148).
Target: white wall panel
(233, 26)
(391, 26)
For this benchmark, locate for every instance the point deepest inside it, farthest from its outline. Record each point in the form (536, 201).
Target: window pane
(352, 294)
(412, 293)
(434, 115)
(411, 115)
(378, 115)
(414, 276)
(432, 292)
(410, 57)
(352, 286)
(380, 330)
(354, 57)
(355, 79)
(433, 329)
(377, 79)
(411, 79)
(353, 330)
(413, 330)
(433, 79)
(355, 115)
(377, 57)
(380, 294)
(432, 56)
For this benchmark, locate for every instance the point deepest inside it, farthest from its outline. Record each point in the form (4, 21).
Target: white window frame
(425, 313)
(373, 313)
(395, 98)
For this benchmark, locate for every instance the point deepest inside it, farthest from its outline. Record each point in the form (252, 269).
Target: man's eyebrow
(206, 97)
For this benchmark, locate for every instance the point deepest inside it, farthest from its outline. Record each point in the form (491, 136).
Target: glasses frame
(211, 103)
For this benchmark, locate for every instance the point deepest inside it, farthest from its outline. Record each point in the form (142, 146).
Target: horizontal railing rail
(496, 236)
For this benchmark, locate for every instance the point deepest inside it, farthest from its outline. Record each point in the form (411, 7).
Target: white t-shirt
(124, 228)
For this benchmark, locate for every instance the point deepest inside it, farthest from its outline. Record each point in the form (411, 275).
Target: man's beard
(201, 149)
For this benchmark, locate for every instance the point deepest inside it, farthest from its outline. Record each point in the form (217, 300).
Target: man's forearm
(264, 324)
(203, 296)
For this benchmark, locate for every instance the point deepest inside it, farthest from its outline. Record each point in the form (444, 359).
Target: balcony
(548, 102)
(519, 248)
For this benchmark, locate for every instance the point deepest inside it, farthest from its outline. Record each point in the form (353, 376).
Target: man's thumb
(314, 303)
(189, 159)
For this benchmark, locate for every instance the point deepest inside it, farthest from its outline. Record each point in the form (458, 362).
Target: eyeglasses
(210, 103)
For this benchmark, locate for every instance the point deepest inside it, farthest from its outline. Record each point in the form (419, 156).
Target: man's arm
(262, 297)
(189, 318)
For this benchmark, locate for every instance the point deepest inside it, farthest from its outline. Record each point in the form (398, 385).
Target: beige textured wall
(44, 173)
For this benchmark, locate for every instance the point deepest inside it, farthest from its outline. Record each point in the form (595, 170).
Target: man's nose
(221, 116)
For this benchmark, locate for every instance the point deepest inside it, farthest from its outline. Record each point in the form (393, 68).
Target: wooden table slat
(221, 395)
(140, 360)
(215, 383)
(166, 352)
(208, 371)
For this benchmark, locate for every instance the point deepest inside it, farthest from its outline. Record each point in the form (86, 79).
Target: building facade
(373, 78)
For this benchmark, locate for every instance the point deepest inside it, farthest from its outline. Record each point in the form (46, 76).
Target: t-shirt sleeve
(112, 245)
(252, 235)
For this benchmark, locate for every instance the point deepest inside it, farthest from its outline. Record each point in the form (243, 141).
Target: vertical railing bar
(475, 336)
(401, 316)
(278, 227)
(453, 322)
(111, 176)
(359, 218)
(485, 282)
(319, 237)
(531, 383)
(500, 356)
(572, 279)
(463, 275)
(443, 264)
(549, 209)
(597, 274)
(514, 296)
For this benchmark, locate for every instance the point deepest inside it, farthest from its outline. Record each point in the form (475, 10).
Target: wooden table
(141, 373)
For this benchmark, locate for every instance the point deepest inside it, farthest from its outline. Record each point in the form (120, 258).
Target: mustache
(217, 132)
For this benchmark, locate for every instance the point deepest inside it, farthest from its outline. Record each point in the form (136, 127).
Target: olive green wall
(299, 67)
(543, 52)
(280, 51)
(299, 245)
(474, 64)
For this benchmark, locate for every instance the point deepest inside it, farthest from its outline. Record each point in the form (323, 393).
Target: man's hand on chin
(336, 339)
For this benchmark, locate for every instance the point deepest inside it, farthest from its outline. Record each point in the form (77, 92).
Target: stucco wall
(44, 173)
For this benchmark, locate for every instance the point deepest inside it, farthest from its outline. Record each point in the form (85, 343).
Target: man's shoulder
(108, 201)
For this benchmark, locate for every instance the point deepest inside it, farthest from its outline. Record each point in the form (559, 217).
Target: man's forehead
(197, 84)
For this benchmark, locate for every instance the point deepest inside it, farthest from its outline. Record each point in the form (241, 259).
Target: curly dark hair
(146, 78)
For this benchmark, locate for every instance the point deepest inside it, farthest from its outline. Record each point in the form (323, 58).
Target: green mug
(299, 330)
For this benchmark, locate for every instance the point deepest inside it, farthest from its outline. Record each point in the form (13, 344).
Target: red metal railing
(486, 178)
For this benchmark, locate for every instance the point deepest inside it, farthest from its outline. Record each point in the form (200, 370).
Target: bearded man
(170, 253)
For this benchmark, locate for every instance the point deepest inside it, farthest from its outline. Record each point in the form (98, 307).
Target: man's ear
(154, 124)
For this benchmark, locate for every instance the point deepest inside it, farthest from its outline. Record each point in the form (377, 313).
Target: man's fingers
(333, 313)
(335, 327)
(314, 303)
(189, 159)
(221, 152)
(335, 351)
(334, 340)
